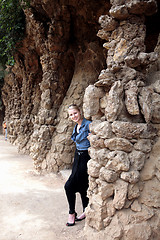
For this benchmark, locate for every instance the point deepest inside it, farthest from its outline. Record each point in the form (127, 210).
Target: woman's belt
(80, 152)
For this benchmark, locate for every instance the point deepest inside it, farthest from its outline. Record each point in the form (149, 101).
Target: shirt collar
(82, 124)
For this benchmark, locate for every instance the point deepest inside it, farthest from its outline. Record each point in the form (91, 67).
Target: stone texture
(138, 231)
(137, 159)
(114, 102)
(99, 155)
(155, 108)
(49, 74)
(108, 23)
(120, 194)
(136, 207)
(131, 177)
(101, 129)
(151, 195)
(118, 144)
(145, 100)
(156, 86)
(106, 79)
(96, 141)
(105, 189)
(93, 168)
(133, 191)
(131, 102)
(143, 145)
(130, 109)
(131, 130)
(118, 161)
(108, 175)
(91, 101)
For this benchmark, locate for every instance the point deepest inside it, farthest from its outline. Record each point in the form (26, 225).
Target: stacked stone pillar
(122, 110)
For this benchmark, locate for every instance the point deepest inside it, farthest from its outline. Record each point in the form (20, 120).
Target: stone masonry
(53, 67)
(124, 176)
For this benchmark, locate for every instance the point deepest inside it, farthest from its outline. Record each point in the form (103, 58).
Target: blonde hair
(74, 106)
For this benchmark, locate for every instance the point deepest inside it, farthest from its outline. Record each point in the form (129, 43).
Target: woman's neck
(80, 122)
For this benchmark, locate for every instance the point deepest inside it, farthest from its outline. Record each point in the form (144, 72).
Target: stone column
(122, 137)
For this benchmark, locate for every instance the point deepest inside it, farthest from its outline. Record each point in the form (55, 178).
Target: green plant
(2, 72)
(12, 26)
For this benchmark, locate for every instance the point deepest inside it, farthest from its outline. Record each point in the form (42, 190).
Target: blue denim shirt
(82, 143)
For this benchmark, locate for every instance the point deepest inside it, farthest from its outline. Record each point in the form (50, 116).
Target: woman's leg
(71, 189)
(71, 185)
(71, 196)
(83, 178)
(85, 200)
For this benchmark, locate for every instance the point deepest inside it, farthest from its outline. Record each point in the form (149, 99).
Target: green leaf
(12, 26)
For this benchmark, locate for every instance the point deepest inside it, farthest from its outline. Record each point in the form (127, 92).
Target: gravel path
(32, 206)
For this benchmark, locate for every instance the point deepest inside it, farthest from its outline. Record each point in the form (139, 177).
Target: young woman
(78, 180)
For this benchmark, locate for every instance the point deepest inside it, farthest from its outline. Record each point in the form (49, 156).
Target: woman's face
(74, 115)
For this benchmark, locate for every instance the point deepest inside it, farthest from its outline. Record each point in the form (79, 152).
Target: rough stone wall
(60, 56)
(124, 105)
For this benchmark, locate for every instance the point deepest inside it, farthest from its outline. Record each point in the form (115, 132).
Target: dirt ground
(32, 206)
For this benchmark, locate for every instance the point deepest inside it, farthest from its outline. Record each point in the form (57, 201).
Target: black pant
(78, 180)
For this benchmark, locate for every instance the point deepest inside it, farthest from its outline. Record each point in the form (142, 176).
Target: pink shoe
(80, 218)
(72, 224)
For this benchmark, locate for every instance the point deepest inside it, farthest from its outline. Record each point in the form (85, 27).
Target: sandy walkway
(32, 206)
